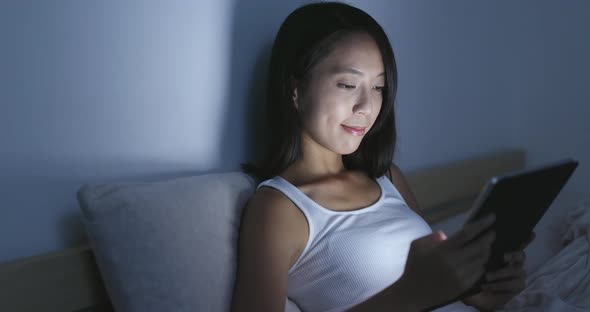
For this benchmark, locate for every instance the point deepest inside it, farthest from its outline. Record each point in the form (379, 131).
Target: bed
(70, 280)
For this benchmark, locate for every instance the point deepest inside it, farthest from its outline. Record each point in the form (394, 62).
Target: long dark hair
(306, 37)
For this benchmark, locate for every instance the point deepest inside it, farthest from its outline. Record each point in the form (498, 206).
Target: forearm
(396, 297)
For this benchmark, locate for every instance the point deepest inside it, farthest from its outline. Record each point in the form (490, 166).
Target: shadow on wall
(256, 131)
(244, 133)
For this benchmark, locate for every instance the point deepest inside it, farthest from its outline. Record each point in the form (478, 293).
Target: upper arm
(269, 236)
(403, 188)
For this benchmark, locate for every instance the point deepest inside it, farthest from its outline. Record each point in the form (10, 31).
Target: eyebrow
(350, 70)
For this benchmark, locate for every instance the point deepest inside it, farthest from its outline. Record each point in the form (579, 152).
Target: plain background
(96, 91)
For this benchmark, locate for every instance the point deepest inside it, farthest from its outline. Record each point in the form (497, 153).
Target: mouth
(358, 131)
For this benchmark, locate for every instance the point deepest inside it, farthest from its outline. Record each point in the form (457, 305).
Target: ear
(295, 96)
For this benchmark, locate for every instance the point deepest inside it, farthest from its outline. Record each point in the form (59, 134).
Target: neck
(317, 163)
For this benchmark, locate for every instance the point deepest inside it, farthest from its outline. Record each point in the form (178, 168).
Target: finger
(507, 272)
(471, 230)
(516, 258)
(500, 298)
(478, 249)
(470, 274)
(513, 285)
(430, 239)
(440, 236)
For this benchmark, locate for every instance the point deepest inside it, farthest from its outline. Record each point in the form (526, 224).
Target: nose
(363, 103)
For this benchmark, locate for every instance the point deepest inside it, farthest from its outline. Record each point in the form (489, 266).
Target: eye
(346, 86)
(379, 88)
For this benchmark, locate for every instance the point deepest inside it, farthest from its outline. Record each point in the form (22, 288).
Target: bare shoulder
(400, 183)
(270, 202)
(271, 209)
(272, 231)
(396, 175)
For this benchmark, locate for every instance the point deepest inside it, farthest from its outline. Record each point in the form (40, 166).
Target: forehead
(358, 51)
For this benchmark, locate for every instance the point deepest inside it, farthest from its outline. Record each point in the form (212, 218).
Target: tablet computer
(519, 200)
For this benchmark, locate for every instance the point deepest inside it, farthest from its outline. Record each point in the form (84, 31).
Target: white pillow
(168, 245)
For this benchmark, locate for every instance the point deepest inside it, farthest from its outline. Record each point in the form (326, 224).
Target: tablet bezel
(484, 194)
(495, 180)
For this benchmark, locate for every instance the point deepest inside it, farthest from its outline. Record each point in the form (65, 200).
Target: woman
(333, 224)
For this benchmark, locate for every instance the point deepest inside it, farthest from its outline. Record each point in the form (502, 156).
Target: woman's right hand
(438, 269)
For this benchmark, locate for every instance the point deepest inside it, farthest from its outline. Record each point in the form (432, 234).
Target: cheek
(377, 107)
(328, 110)
(335, 113)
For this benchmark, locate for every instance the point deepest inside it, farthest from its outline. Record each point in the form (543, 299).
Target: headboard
(69, 280)
(445, 190)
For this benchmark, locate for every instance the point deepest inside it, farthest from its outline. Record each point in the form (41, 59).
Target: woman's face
(342, 91)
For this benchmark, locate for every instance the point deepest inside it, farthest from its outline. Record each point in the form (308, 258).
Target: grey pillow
(168, 245)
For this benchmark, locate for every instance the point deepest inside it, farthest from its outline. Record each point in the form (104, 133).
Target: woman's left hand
(503, 284)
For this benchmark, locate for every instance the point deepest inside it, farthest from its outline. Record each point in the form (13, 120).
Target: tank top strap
(315, 218)
(295, 195)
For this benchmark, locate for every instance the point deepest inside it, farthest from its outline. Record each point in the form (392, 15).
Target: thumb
(431, 238)
(439, 236)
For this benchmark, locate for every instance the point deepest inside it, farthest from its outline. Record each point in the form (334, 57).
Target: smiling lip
(358, 131)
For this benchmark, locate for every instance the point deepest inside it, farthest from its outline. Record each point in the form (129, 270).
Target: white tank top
(350, 255)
